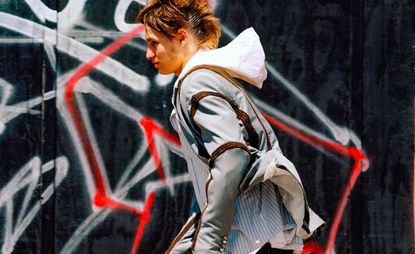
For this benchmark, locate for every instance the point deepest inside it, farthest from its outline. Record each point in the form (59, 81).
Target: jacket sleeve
(215, 123)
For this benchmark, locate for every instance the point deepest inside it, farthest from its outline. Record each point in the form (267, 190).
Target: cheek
(160, 52)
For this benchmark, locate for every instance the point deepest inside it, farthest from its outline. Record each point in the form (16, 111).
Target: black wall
(340, 85)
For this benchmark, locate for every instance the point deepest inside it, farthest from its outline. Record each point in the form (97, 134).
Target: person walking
(250, 195)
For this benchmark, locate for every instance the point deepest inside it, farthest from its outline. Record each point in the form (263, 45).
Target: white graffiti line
(122, 7)
(120, 193)
(76, 49)
(86, 85)
(132, 165)
(123, 186)
(352, 137)
(287, 119)
(6, 90)
(340, 134)
(28, 177)
(90, 133)
(61, 164)
(94, 31)
(87, 29)
(18, 110)
(99, 215)
(20, 40)
(21, 180)
(50, 52)
(228, 32)
(67, 17)
(89, 86)
(163, 80)
(8, 230)
(213, 3)
(120, 11)
(94, 88)
(115, 104)
(156, 185)
(163, 152)
(90, 39)
(71, 128)
(140, 175)
(163, 148)
(146, 170)
(9, 112)
(127, 180)
(93, 220)
(292, 122)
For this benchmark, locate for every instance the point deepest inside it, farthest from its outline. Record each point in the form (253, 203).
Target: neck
(190, 48)
(185, 61)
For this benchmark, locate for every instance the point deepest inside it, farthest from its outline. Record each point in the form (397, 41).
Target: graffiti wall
(89, 162)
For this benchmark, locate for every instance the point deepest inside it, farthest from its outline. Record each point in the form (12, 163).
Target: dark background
(349, 65)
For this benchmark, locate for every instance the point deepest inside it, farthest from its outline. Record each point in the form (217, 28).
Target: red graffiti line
(144, 219)
(312, 248)
(360, 161)
(150, 128)
(102, 198)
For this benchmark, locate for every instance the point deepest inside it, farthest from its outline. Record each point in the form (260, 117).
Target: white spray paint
(28, 178)
(66, 17)
(75, 49)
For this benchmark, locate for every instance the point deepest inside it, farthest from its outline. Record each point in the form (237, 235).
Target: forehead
(154, 35)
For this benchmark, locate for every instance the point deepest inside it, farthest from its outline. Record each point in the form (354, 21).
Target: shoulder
(204, 80)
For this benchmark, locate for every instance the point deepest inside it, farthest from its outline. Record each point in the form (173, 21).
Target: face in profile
(163, 52)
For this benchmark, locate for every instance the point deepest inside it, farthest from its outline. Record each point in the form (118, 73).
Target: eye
(152, 43)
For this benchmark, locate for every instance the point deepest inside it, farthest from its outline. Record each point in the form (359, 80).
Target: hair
(168, 16)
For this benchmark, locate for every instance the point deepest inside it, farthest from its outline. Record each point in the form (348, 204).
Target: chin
(162, 72)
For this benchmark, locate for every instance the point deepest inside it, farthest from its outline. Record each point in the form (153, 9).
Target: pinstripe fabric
(261, 217)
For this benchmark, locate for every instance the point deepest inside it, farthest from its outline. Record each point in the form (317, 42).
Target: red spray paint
(150, 128)
(102, 198)
(360, 160)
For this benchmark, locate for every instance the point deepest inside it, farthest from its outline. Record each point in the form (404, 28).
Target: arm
(222, 189)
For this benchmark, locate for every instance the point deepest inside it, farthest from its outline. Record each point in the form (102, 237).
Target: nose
(149, 54)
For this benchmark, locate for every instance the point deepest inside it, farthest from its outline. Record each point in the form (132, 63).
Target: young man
(250, 195)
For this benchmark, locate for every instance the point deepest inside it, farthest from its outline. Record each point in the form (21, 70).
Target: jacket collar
(242, 58)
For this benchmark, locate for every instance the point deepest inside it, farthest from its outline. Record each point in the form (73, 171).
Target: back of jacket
(225, 96)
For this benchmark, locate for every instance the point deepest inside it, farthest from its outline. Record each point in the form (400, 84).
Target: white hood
(242, 58)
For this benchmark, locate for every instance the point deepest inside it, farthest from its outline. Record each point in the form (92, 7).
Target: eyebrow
(149, 39)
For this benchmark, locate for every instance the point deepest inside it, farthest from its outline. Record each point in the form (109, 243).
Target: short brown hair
(168, 16)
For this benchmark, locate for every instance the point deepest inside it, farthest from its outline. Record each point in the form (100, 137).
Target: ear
(182, 35)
